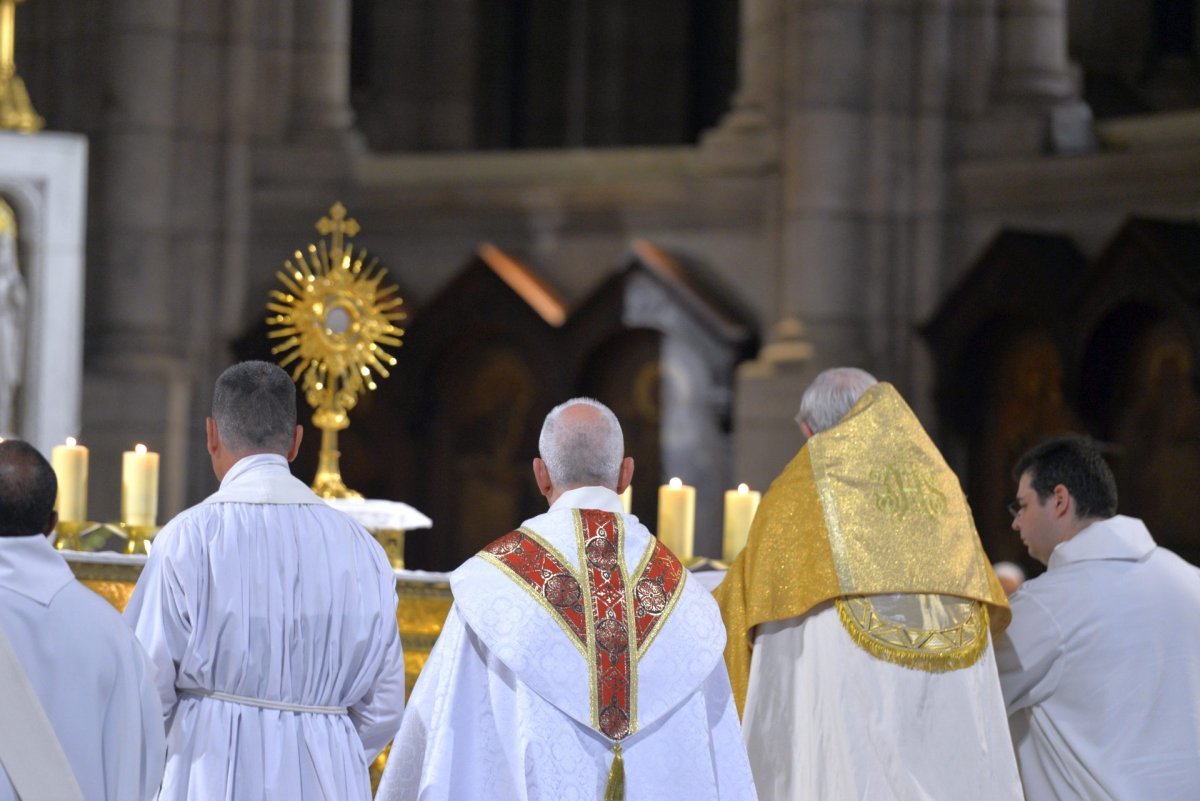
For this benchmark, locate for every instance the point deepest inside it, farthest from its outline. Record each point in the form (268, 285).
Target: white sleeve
(377, 715)
(159, 612)
(1028, 654)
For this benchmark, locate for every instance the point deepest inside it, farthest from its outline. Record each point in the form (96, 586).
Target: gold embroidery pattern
(932, 650)
(905, 490)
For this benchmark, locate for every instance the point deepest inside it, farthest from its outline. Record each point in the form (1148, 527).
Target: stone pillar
(1033, 62)
(1034, 103)
(748, 134)
(321, 106)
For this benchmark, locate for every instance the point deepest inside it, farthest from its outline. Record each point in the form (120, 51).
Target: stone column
(748, 134)
(321, 106)
(1033, 62)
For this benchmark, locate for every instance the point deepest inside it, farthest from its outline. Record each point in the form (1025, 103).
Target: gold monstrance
(16, 112)
(337, 319)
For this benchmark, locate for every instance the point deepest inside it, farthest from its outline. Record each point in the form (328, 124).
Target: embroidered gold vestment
(867, 508)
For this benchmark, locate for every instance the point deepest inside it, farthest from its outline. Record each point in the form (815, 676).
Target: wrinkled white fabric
(501, 708)
(1101, 670)
(265, 591)
(91, 676)
(827, 721)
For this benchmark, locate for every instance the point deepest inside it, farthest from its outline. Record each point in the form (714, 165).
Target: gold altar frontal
(424, 603)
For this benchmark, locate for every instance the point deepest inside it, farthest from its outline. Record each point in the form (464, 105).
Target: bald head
(28, 487)
(582, 445)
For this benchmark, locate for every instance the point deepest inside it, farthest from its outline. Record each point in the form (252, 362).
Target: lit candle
(70, 463)
(139, 487)
(627, 499)
(740, 506)
(677, 517)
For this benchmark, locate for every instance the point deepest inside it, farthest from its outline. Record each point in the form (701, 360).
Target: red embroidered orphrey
(654, 590)
(610, 615)
(531, 563)
(543, 574)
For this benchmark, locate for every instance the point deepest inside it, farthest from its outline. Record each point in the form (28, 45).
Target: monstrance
(336, 320)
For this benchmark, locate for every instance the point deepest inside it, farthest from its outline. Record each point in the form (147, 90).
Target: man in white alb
(271, 620)
(90, 677)
(579, 661)
(859, 616)
(1101, 665)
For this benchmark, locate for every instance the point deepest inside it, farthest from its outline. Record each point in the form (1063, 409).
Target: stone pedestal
(44, 178)
(766, 401)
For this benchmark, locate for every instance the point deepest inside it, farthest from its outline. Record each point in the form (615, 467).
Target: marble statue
(13, 300)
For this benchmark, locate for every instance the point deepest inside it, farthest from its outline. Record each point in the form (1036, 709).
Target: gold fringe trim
(940, 661)
(615, 789)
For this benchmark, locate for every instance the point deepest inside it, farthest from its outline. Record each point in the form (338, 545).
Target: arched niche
(1004, 359)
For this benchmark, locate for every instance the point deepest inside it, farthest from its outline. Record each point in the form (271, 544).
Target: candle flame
(743, 489)
(675, 483)
(71, 442)
(139, 448)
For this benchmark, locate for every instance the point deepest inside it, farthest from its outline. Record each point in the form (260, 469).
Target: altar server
(79, 714)
(1101, 665)
(580, 659)
(866, 597)
(271, 620)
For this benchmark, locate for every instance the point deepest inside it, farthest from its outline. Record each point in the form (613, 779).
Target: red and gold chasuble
(610, 615)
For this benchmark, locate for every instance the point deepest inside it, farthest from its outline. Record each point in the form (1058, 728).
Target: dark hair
(28, 488)
(1076, 463)
(254, 407)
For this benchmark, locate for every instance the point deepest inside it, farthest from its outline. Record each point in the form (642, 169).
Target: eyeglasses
(1015, 508)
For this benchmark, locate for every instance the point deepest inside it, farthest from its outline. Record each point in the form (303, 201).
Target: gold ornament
(16, 112)
(335, 319)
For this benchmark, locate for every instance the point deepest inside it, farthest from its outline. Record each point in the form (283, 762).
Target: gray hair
(582, 452)
(831, 394)
(254, 407)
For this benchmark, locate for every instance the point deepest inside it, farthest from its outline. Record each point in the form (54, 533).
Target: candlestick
(677, 517)
(740, 506)
(627, 499)
(139, 487)
(70, 463)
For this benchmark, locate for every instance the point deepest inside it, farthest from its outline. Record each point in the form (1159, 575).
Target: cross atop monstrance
(335, 319)
(338, 225)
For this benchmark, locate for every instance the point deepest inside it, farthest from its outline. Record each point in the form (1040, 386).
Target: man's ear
(1063, 503)
(625, 476)
(51, 524)
(296, 439)
(212, 437)
(541, 475)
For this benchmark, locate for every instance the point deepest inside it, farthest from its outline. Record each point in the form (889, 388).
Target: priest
(79, 714)
(580, 660)
(271, 621)
(860, 616)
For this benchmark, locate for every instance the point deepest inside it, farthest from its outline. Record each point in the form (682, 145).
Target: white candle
(627, 499)
(677, 517)
(139, 487)
(740, 506)
(70, 463)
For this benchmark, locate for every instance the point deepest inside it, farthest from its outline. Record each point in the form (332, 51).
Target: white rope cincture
(263, 703)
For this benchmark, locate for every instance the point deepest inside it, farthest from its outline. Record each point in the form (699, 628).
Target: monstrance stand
(335, 319)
